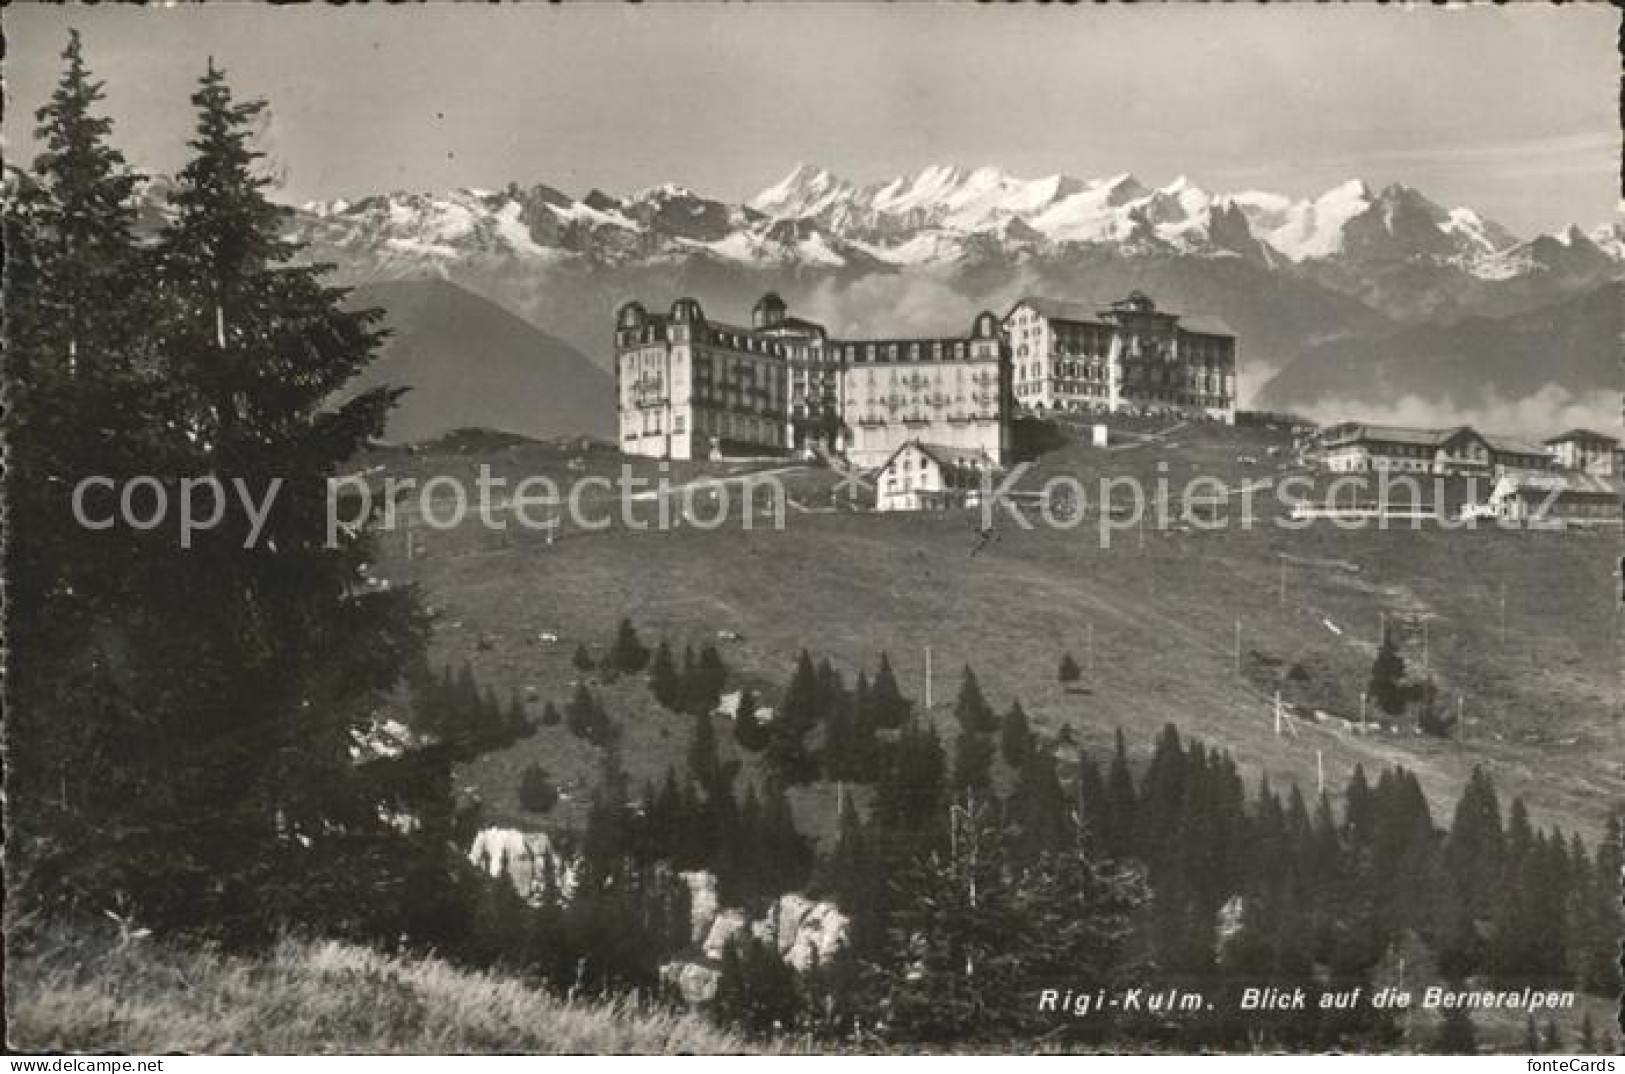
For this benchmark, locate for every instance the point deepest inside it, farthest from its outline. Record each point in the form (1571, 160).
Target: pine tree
(971, 708)
(1069, 671)
(1120, 820)
(891, 709)
(710, 679)
(550, 715)
(536, 791)
(582, 660)
(798, 714)
(1602, 939)
(286, 662)
(786, 852)
(627, 653)
(704, 767)
(1016, 737)
(1038, 809)
(1387, 685)
(912, 793)
(972, 929)
(757, 991)
(663, 681)
(81, 400)
(973, 761)
(1475, 848)
(750, 732)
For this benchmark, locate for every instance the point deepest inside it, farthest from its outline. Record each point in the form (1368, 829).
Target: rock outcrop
(528, 859)
(805, 932)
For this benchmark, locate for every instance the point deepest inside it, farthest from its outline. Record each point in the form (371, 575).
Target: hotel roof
(1057, 309)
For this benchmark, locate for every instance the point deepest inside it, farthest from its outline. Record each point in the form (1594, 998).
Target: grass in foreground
(78, 992)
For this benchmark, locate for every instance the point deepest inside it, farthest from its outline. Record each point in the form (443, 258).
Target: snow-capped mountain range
(1324, 284)
(943, 215)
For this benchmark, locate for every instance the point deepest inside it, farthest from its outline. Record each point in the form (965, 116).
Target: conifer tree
(971, 708)
(891, 709)
(786, 852)
(973, 761)
(285, 660)
(582, 660)
(1016, 737)
(798, 714)
(704, 766)
(1387, 685)
(912, 793)
(1474, 849)
(628, 652)
(663, 681)
(1121, 817)
(77, 405)
(536, 791)
(750, 731)
(1069, 671)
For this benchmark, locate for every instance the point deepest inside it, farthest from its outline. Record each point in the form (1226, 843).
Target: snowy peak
(1353, 222)
(943, 214)
(806, 191)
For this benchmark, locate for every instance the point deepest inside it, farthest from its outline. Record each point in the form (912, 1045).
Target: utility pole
(1089, 651)
(1277, 714)
(1238, 646)
(928, 678)
(1320, 771)
(1424, 643)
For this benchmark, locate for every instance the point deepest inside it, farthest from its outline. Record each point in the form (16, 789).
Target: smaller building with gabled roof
(921, 476)
(1588, 451)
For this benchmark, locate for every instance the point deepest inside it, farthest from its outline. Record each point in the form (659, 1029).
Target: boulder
(728, 924)
(703, 903)
(695, 982)
(527, 859)
(820, 933)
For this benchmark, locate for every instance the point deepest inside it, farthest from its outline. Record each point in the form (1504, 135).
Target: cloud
(879, 306)
(1545, 413)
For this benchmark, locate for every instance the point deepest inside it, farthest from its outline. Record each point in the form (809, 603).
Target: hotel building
(1127, 355)
(688, 387)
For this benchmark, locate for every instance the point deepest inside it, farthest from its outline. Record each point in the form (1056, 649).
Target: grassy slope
(78, 992)
(1542, 708)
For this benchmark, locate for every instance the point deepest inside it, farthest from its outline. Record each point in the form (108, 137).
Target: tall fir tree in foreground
(236, 674)
(80, 382)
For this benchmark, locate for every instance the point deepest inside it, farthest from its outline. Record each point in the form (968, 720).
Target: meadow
(1521, 634)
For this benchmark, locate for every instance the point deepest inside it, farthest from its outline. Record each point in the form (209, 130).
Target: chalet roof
(1511, 445)
(1590, 486)
(1394, 434)
(1583, 434)
(945, 455)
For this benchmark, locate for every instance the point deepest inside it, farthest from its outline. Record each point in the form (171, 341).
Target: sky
(1513, 111)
